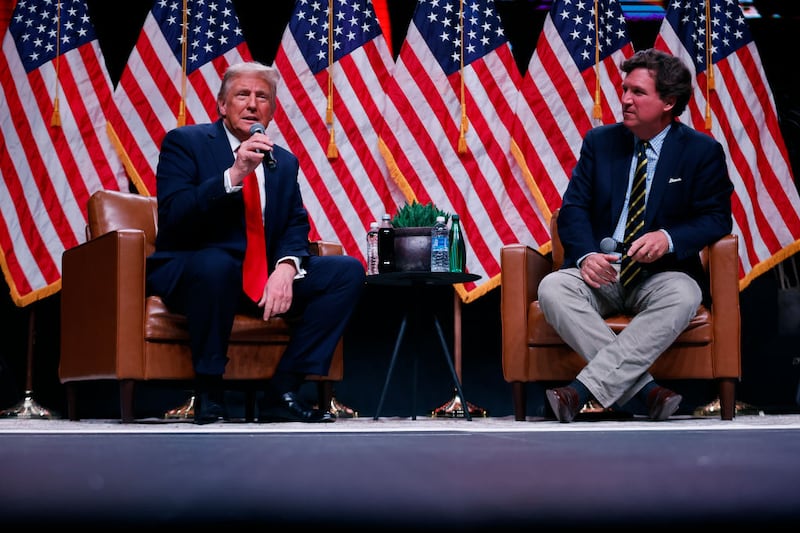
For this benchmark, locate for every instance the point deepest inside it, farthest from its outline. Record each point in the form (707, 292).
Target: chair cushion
(165, 326)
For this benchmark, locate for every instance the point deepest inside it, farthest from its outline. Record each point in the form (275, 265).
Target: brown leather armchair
(111, 331)
(709, 348)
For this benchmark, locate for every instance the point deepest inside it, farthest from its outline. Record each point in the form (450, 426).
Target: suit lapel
(620, 171)
(666, 168)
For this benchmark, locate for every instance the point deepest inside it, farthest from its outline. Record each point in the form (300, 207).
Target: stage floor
(487, 474)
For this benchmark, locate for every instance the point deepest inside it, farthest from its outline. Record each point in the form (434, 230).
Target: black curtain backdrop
(771, 363)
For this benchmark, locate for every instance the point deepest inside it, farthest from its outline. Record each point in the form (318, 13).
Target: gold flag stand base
(186, 411)
(182, 412)
(340, 410)
(454, 408)
(28, 408)
(713, 409)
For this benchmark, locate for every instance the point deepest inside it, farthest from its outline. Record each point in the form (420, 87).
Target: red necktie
(254, 269)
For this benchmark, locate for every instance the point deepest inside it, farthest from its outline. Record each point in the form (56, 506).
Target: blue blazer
(195, 211)
(690, 195)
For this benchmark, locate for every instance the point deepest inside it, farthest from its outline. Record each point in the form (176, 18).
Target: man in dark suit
(200, 246)
(686, 197)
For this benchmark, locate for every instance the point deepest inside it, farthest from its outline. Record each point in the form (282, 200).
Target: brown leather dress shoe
(662, 403)
(565, 403)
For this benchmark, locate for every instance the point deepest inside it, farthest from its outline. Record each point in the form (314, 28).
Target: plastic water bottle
(372, 249)
(458, 248)
(440, 247)
(386, 245)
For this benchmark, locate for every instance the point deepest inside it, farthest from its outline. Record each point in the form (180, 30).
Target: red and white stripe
(345, 193)
(47, 173)
(149, 98)
(557, 109)
(423, 116)
(766, 205)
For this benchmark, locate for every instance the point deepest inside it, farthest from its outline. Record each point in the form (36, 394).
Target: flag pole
(28, 407)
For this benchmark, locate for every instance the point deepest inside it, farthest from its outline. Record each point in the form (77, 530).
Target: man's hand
(598, 269)
(277, 296)
(649, 247)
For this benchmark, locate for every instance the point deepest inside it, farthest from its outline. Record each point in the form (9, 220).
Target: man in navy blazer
(200, 245)
(688, 206)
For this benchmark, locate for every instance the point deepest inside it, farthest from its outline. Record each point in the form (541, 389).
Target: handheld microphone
(609, 246)
(269, 159)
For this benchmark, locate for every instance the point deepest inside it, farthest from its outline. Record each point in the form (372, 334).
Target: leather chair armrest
(522, 269)
(325, 248)
(102, 307)
(723, 265)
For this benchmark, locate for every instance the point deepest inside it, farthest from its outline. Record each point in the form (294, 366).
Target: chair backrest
(113, 210)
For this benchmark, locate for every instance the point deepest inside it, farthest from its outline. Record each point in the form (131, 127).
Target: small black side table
(418, 282)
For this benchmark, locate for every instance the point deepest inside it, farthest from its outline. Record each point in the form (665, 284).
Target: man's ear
(669, 103)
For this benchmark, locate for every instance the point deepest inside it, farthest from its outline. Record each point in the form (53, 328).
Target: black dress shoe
(289, 408)
(565, 403)
(208, 408)
(662, 403)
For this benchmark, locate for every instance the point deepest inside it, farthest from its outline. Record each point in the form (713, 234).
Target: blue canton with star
(438, 22)
(354, 23)
(728, 28)
(579, 28)
(213, 29)
(41, 31)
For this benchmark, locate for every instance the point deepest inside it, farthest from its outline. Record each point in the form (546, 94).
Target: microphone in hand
(610, 246)
(269, 159)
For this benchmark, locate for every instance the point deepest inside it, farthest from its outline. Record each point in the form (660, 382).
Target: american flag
(55, 152)
(159, 90)
(448, 137)
(733, 103)
(573, 83)
(334, 65)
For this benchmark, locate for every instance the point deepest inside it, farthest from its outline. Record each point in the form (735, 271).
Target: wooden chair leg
(325, 392)
(72, 401)
(727, 398)
(249, 404)
(520, 396)
(126, 390)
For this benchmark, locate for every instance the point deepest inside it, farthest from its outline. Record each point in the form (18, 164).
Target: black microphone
(609, 246)
(269, 159)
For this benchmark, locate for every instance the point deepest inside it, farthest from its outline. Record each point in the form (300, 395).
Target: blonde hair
(266, 73)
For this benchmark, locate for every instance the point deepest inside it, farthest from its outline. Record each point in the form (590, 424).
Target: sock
(583, 393)
(210, 384)
(646, 390)
(283, 382)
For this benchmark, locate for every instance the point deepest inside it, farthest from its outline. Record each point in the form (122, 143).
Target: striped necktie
(254, 268)
(631, 271)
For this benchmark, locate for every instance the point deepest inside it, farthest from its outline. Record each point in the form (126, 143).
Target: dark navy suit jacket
(195, 211)
(690, 195)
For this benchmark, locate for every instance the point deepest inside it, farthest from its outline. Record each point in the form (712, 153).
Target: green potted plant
(417, 215)
(412, 235)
